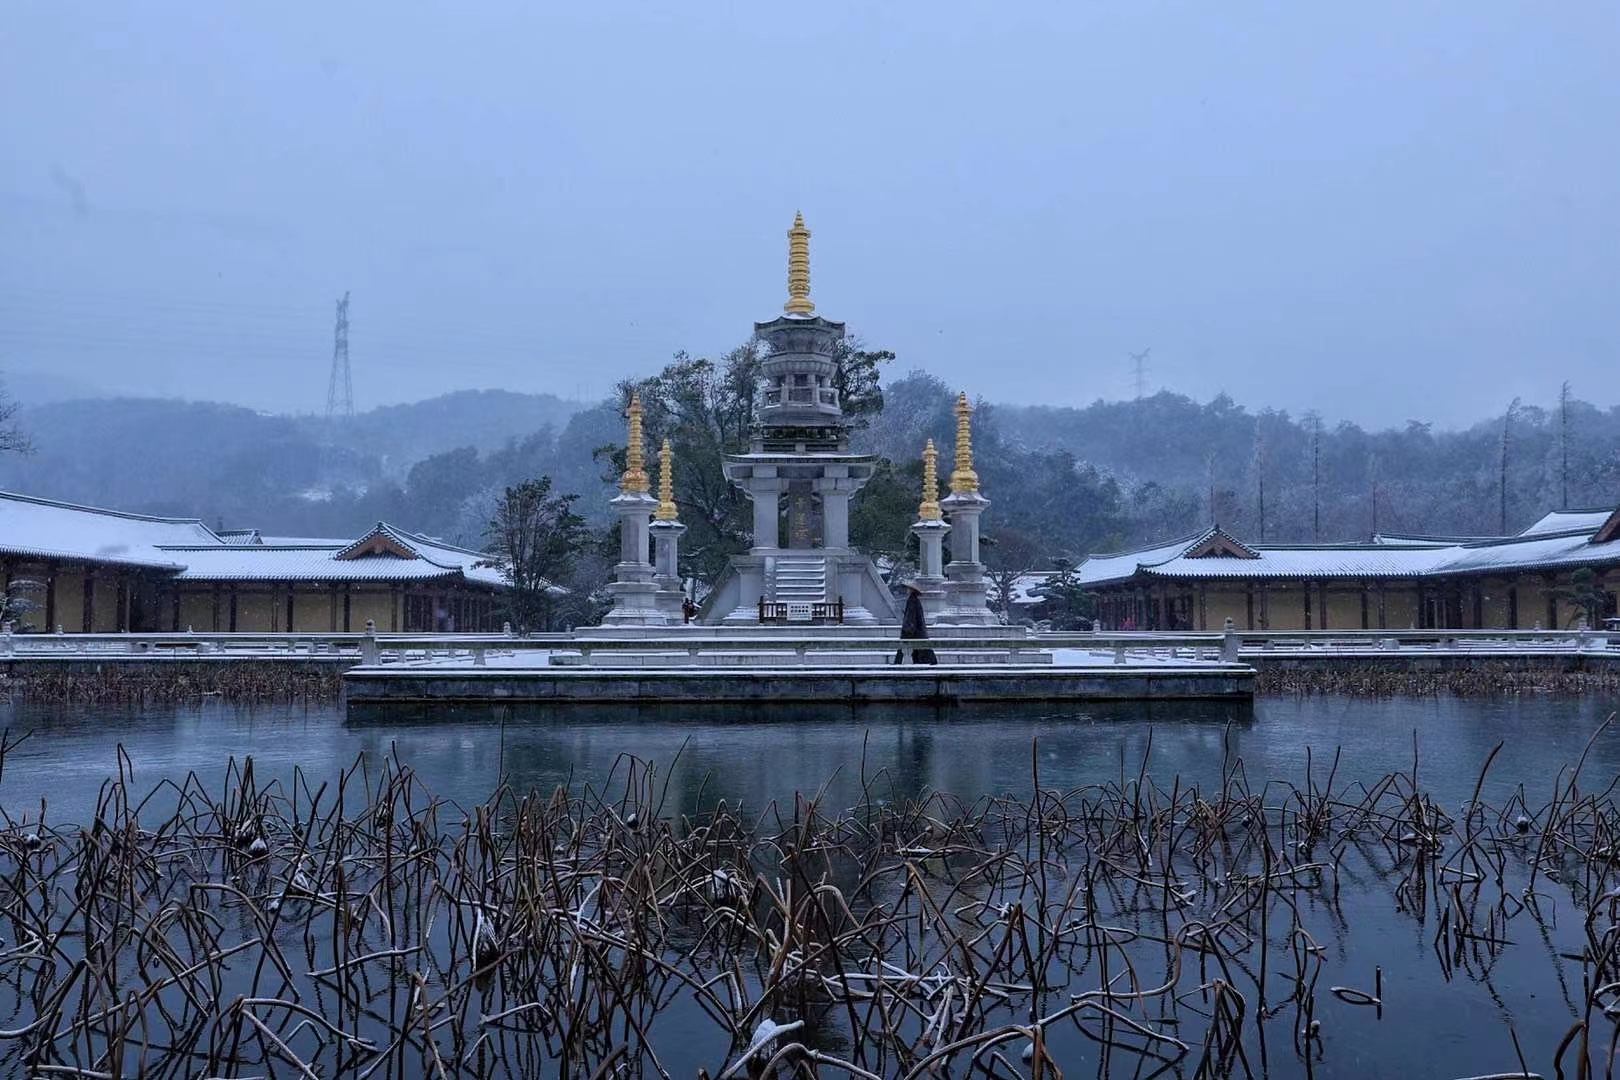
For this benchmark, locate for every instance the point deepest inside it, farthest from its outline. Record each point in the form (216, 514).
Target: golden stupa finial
(798, 301)
(929, 508)
(635, 470)
(666, 484)
(964, 481)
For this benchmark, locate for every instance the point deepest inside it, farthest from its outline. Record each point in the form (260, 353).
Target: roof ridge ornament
(634, 480)
(929, 509)
(798, 301)
(964, 481)
(666, 485)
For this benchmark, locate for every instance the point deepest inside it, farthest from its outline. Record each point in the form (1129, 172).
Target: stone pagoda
(799, 455)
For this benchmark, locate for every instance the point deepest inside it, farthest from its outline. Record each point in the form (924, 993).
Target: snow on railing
(799, 645)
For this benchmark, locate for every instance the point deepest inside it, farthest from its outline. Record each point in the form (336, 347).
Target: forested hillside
(1063, 481)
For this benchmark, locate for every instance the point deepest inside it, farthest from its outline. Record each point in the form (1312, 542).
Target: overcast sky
(1383, 210)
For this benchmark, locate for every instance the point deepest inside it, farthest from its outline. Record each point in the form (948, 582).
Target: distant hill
(1071, 480)
(225, 462)
(401, 435)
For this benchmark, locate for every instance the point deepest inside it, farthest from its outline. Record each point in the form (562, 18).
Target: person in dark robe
(913, 628)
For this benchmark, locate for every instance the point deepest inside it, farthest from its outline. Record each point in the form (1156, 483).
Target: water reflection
(757, 756)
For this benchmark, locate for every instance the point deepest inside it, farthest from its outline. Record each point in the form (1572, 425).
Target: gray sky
(1381, 210)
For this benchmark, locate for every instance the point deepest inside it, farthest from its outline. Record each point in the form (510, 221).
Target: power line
(340, 389)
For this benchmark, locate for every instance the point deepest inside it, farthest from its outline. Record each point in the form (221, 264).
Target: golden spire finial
(929, 509)
(798, 301)
(964, 481)
(666, 484)
(635, 470)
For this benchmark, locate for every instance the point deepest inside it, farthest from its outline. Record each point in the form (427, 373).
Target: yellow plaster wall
(197, 611)
(1285, 608)
(70, 600)
(1493, 607)
(255, 612)
(1220, 606)
(1400, 608)
(105, 604)
(1344, 610)
(370, 605)
(312, 611)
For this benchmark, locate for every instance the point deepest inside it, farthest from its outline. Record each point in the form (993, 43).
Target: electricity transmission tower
(340, 389)
(1139, 362)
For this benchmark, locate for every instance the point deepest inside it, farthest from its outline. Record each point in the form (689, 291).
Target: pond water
(754, 756)
(1455, 1022)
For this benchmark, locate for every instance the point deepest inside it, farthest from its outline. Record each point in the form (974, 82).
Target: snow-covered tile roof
(269, 563)
(1561, 539)
(1025, 586)
(1550, 551)
(436, 551)
(47, 529)
(1098, 569)
(1359, 560)
(1569, 521)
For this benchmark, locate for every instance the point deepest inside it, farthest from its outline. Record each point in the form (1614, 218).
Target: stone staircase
(799, 581)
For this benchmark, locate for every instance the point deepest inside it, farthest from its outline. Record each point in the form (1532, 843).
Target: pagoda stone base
(635, 603)
(966, 604)
(851, 577)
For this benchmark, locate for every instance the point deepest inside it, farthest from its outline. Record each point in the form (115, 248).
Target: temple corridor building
(82, 569)
(1395, 582)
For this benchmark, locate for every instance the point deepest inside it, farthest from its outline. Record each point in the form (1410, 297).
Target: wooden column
(87, 614)
(1305, 589)
(50, 596)
(214, 608)
(1365, 625)
(1248, 603)
(1203, 606)
(347, 597)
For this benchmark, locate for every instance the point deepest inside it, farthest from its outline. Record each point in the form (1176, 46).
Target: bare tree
(17, 600)
(1313, 421)
(1008, 556)
(1507, 442)
(1563, 446)
(12, 438)
(534, 538)
(1372, 491)
(1260, 476)
(1209, 480)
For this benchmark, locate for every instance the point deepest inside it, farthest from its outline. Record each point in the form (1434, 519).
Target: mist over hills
(1072, 480)
(287, 474)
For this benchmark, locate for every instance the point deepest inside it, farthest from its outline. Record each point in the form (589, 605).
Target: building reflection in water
(753, 756)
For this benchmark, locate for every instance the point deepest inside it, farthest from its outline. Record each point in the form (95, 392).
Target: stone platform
(823, 671)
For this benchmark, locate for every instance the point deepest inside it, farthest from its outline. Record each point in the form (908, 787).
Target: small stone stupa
(799, 454)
